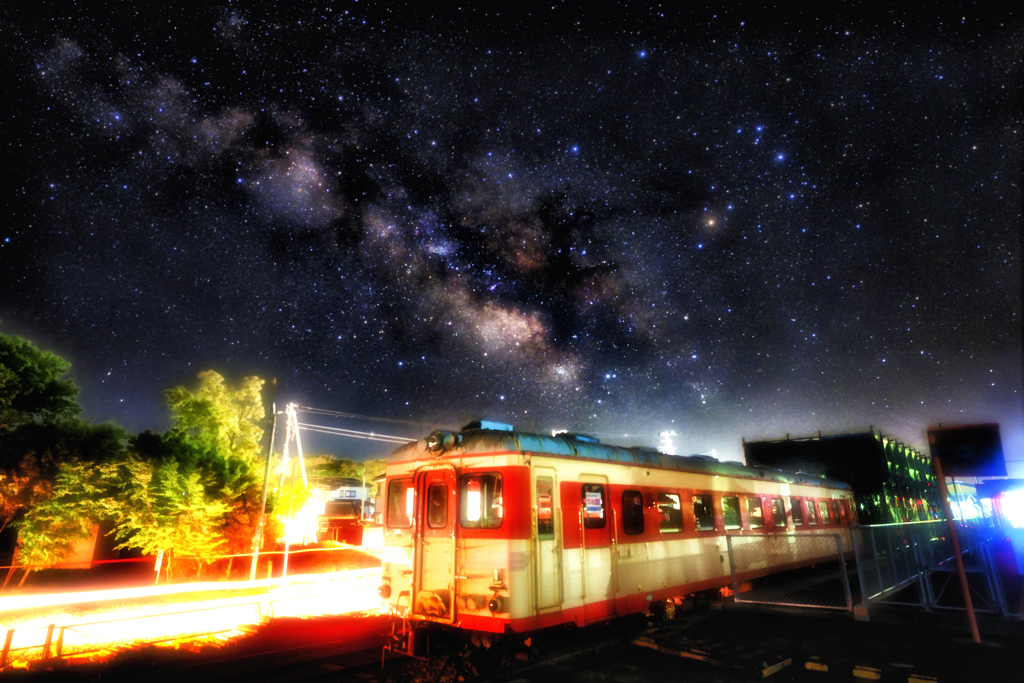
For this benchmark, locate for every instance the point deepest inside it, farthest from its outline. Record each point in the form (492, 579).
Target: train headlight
(494, 604)
(384, 591)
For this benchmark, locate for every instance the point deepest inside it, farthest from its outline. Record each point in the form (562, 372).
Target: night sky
(726, 225)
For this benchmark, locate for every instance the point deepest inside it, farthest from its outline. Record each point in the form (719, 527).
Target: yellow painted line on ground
(868, 672)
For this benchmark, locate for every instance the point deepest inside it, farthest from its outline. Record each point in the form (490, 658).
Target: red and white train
(492, 530)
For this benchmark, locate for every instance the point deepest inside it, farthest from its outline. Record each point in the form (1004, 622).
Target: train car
(493, 530)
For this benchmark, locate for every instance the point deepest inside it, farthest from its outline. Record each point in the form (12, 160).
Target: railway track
(700, 646)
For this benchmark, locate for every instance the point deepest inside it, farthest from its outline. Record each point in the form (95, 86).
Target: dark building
(891, 482)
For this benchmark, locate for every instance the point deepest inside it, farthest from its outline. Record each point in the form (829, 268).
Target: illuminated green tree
(225, 420)
(80, 497)
(225, 424)
(165, 505)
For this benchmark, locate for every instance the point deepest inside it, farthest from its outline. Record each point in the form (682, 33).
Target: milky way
(724, 226)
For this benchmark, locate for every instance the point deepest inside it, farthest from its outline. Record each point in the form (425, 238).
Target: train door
(434, 573)
(597, 556)
(548, 545)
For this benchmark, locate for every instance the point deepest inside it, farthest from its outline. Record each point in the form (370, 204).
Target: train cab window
(593, 506)
(731, 512)
(826, 518)
(703, 513)
(812, 513)
(798, 511)
(481, 502)
(670, 513)
(779, 513)
(632, 512)
(437, 505)
(755, 513)
(400, 501)
(545, 508)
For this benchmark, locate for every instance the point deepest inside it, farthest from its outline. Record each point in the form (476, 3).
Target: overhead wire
(336, 413)
(352, 433)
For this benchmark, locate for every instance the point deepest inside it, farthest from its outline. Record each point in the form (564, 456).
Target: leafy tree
(80, 497)
(165, 505)
(222, 419)
(31, 455)
(30, 386)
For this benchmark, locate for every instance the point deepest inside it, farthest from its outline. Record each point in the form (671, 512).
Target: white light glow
(1012, 504)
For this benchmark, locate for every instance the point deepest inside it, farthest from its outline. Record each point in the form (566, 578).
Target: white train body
(492, 531)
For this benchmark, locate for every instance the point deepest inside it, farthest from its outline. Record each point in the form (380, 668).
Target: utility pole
(257, 541)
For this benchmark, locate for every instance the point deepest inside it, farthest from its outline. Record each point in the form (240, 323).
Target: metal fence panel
(913, 563)
(819, 580)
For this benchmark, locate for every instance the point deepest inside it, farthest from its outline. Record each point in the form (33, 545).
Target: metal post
(287, 540)
(878, 563)
(857, 562)
(49, 639)
(972, 621)
(892, 560)
(732, 568)
(842, 570)
(257, 542)
(7, 648)
(60, 642)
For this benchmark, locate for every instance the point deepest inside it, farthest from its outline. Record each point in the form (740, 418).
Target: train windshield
(400, 503)
(481, 502)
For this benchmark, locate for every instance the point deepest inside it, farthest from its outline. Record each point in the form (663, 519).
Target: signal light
(494, 604)
(384, 591)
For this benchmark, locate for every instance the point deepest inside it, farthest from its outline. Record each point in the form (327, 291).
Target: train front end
(453, 552)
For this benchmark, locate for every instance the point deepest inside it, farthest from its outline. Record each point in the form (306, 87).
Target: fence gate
(823, 585)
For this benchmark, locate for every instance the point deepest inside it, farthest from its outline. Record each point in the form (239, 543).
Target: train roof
(472, 441)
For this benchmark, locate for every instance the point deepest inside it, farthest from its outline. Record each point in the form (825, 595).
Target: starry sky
(724, 224)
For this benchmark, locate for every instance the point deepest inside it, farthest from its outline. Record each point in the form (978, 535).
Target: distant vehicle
(342, 521)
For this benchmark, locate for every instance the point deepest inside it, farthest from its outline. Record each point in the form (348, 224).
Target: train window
(593, 506)
(825, 516)
(632, 512)
(545, 508)
(400, 501)
(480, 495)
(755, 513)
(798, 512)
(703, 513)
(812, 513)
(437, 505)
(731, 512)
(670, 513)
(779, 513)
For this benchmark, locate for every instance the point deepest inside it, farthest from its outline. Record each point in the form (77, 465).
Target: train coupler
(408, 640)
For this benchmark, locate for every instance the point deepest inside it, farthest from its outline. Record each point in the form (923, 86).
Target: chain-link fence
(913, 564)
(818, 578)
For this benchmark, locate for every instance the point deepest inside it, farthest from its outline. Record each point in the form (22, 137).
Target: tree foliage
(220, 418)
(192, 492)
(168, 506)
(31, 457)
(30, 386)
(80, 497)
(329, 466)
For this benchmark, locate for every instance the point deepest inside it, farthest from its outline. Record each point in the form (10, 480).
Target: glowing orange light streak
(116, 625)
